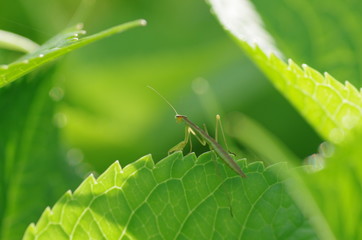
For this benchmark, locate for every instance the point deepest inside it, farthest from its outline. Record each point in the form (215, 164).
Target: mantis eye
(179, 118)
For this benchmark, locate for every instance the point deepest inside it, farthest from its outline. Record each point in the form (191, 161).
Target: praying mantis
(203, 137)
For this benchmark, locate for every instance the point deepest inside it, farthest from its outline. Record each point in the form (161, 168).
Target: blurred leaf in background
(29, 148)
(323, 34)
(33, 166)
(112, 115)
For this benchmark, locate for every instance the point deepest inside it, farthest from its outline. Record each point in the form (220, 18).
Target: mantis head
(179, 118)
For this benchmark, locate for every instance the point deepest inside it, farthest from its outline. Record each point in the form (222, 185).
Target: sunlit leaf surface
(179, 197)
(332, 108)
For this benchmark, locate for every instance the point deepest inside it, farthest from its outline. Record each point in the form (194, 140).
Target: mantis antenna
(164, 99)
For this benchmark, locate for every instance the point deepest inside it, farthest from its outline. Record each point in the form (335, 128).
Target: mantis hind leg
(218, 125)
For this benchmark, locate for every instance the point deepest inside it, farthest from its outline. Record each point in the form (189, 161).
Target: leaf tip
(46, 214)
(144, 162)
(68, 193)
(87, 184)
(143, 22)
(30, 231)
(242, 162)
(117, 165)
(353, 92)
(313, 74)
(92, 178)
(258, 167)
(290, 63)
(148, 161)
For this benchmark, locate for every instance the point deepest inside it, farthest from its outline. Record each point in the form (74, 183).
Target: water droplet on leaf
(315, 162)
(326, 149)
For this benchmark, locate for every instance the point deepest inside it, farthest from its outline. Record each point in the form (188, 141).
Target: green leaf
(32, 162)
(16, 42)
(56, 47)
(333, 109)
(179, 197)
(33, 170)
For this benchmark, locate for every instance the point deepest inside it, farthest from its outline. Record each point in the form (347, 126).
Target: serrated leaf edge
(348, 94)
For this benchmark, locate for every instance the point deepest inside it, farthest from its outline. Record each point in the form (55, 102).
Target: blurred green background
(107, 112)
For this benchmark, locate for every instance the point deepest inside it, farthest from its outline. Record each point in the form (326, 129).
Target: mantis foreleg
(180, 146)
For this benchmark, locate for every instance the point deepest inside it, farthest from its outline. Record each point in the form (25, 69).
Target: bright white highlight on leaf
(240, 18)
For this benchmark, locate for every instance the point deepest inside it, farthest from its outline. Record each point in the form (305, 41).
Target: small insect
(203, 137)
